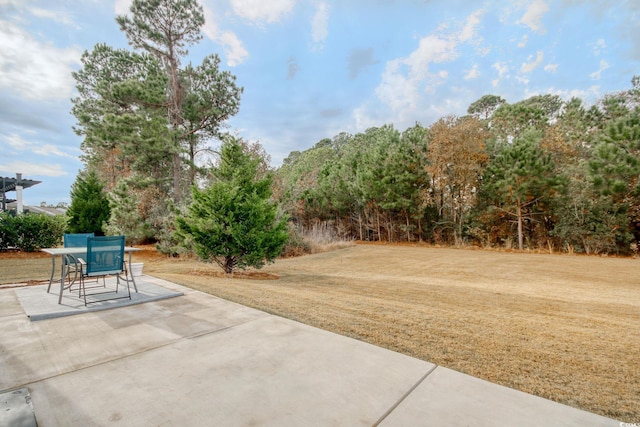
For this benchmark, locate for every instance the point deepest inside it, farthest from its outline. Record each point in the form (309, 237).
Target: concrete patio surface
(198, 360)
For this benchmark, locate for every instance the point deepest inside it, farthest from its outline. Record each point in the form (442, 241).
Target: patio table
(78, 252)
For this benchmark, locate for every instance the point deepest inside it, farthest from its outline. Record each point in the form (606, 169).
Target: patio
(200, 360)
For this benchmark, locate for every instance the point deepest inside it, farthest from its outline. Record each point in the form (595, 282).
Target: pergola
(16, 184)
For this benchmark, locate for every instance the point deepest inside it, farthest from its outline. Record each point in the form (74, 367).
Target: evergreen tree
(125, 219)
(484, 107)
(89, 205)
(520, 181)
(587, 221)
(233, 222)
(615, 171)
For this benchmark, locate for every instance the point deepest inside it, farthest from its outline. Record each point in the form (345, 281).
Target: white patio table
(79, 252)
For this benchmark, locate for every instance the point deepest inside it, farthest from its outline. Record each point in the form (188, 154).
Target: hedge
(31, 232)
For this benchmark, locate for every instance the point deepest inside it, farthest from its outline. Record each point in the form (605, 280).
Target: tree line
(541, 173)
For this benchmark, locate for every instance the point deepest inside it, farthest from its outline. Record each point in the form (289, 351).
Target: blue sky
(313, 68)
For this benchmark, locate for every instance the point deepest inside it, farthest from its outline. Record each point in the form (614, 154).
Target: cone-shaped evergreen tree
(233, 222)
(89, 205)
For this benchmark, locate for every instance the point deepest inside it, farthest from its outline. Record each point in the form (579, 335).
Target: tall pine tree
(520, 180)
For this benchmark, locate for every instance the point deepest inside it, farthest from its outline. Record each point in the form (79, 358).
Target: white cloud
(232, 46)
(319, 22)
(363, 119)
(528, 67)
(210, 28)
(523, 41)
(552, 68)
(403, 78)
(599, 47)
(431, 49)
(473, 73)
(502, 68)
(396, 89)
(51, 150)
(11, 3)
(122, 7)
(483, 50)
(436, 80)
(503, 71)
(21, 144)
(32, 169)
(406, 80)
(15, 141)
(469, 31)
(61, 17)
(532, 18)
(33, 69)
(258, 11)
(598, 74)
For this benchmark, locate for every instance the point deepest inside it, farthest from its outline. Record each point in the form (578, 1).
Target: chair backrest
(76, 240)
(105, 255)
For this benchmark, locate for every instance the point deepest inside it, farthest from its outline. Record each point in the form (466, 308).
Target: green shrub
(31, 232)
(8, 234)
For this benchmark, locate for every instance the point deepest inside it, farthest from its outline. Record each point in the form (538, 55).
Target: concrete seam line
(225, 328)
(403, 397)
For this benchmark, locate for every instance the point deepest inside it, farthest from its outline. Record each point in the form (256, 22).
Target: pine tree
(233, 222)
(125, 219)
(89, 205)
(615, 170)
(520, 178)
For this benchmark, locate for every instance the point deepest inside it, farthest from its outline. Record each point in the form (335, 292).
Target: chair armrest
(83, 265)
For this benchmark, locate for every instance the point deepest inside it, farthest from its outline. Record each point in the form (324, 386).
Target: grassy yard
(562, 327)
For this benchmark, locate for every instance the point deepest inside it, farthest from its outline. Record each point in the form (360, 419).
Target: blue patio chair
(105, 257)
(76, 240)
(70, 262)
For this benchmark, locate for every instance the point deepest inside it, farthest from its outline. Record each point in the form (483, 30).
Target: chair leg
(83, 290)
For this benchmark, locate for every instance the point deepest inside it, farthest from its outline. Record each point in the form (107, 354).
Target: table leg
(131, 273)
(62, 275)
(53, 269)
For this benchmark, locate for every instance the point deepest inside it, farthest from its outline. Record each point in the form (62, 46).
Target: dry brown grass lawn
(562, 327)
